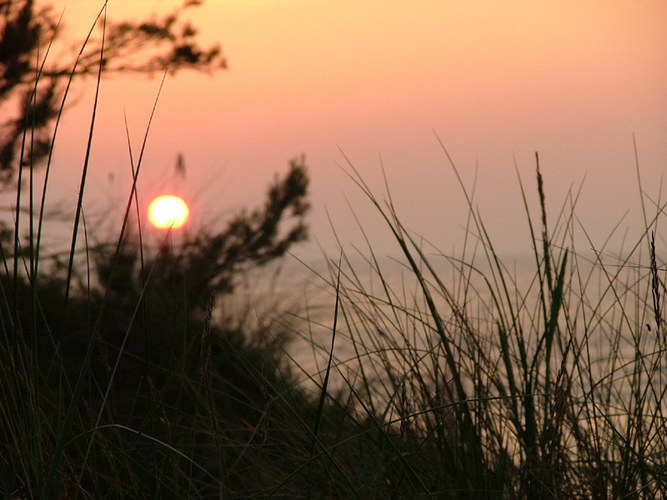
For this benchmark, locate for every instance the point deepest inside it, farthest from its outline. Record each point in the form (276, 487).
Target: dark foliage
(208, 264)
(33, 88)
(185, 280)
(152, 357)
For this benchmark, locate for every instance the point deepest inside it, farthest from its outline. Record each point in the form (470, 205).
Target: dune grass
(486, 382)
(458, 377)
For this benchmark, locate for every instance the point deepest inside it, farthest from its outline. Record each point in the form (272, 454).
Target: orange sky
(495, 80)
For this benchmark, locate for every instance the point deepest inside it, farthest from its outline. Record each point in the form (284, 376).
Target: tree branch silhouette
(31, 87)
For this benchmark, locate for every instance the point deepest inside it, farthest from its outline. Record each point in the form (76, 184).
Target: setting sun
(168, 212)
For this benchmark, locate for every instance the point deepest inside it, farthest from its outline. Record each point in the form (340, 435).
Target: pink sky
(495, 80)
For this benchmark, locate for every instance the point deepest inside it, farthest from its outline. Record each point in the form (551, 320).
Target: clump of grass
(478, 382)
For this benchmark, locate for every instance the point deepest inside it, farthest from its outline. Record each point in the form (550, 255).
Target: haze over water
(376, 81)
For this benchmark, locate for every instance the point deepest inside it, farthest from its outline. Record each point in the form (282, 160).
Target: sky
(385, 85)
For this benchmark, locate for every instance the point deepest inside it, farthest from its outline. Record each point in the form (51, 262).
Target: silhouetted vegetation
(140, 348)
(458, 380)
(33, 86)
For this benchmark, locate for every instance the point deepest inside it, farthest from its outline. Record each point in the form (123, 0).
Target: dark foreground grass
(488, 383)
(462, 380)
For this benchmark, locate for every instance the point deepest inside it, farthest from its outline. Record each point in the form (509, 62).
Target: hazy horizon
(377, 82)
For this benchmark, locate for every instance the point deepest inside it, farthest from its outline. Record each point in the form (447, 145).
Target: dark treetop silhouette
(33, 85)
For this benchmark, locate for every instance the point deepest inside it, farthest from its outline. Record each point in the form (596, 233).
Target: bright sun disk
(168, 212)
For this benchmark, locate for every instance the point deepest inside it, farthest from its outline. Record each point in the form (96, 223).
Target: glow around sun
(168, 212)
